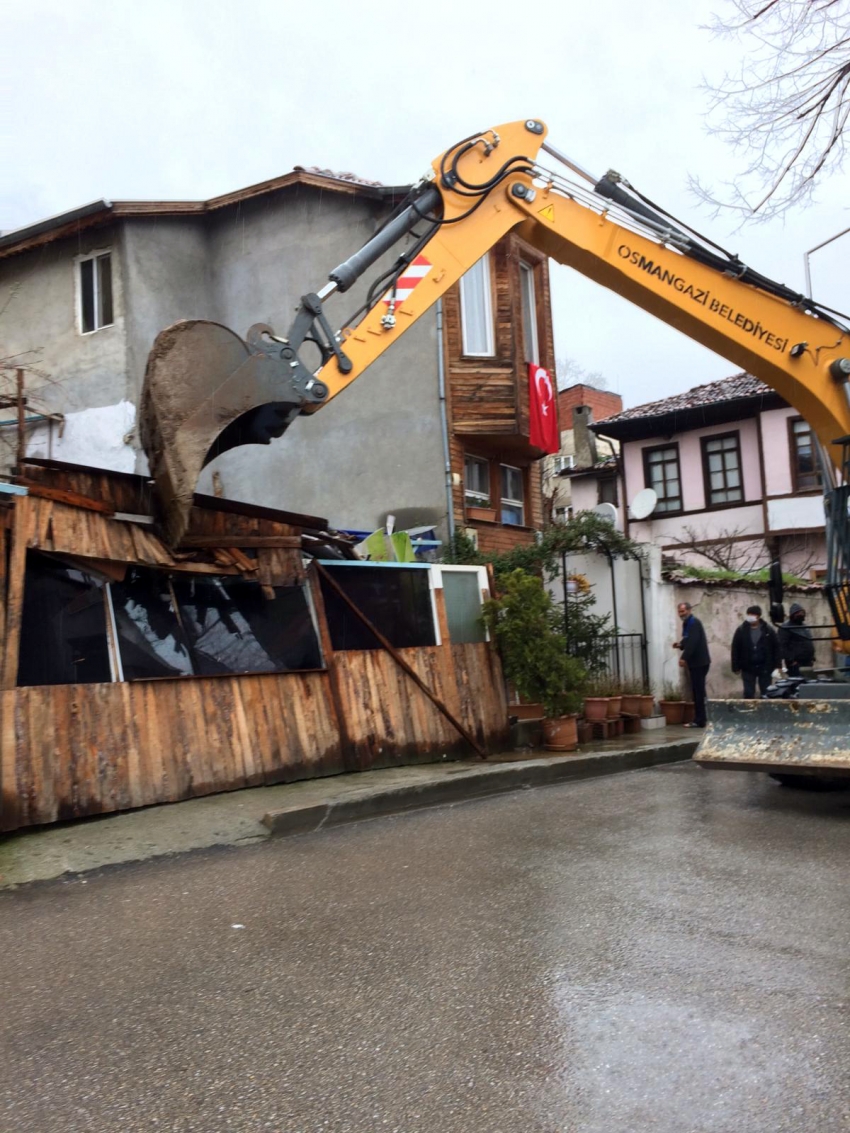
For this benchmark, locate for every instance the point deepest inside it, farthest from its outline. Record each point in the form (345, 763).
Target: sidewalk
(241, 817)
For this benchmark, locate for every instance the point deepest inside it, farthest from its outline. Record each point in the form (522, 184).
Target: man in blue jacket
(695, 658)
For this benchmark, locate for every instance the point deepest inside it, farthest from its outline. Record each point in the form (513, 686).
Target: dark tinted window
(396, 601)
(231, 627)
(63, 627)
(150, 639)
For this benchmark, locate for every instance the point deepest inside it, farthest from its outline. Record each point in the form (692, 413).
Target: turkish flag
(542, 410)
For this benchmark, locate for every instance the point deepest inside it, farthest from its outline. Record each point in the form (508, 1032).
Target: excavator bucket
(782, 737)
(207, 391)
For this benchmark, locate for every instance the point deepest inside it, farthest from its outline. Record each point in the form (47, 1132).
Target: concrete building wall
(39, 326)
(375, 449)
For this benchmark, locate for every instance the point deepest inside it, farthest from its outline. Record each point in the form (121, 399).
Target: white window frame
(528, 301)
(436, 578)
(510, 501)
(472, 497)
(78, 289)
(481, 267)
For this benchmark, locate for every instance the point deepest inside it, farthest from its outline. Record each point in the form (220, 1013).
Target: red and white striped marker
(406, 283)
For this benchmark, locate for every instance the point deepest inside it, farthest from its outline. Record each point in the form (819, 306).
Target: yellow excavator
(207, 390)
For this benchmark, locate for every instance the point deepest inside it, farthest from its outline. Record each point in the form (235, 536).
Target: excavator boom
(206, 390)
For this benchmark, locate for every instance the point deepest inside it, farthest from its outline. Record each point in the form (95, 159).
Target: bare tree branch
(785, 111)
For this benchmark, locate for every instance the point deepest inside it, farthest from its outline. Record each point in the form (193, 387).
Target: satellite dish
(644, 503)
(607, 512)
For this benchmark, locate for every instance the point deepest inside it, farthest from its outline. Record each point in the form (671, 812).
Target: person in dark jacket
(755, 652)
(796, 647)
(695, 658)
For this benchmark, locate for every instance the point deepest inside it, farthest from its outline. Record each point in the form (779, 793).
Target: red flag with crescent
(543, 430)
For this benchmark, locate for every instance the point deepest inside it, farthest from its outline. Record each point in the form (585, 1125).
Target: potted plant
(608, 689)
(637, 699)
(483, 510)
(524, 623)
(596, 699)
(672, 703)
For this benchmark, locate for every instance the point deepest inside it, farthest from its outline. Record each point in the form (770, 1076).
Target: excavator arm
(207, 391)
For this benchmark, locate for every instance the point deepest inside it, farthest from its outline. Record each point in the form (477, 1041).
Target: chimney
(584, 441)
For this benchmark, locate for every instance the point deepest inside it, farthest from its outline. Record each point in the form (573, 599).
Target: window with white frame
(94, 290)
(529, 313)
(513, 495)
(476, 478)
(476, 310)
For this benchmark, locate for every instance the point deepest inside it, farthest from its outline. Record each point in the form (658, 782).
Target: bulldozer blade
(207, 391)
(809, 737)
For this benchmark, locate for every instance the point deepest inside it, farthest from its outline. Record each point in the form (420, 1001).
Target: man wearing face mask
(795, 642)
(755, 652)
(695, 658)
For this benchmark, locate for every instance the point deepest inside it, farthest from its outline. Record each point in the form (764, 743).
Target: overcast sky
(189, 99)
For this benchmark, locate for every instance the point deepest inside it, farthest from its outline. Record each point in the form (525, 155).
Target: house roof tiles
(714, 403)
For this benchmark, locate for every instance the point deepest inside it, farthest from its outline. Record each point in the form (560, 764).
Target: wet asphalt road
(663, 950)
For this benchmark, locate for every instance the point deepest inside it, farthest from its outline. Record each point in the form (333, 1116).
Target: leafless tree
(785, 110)
(739, 551)
(727, 550)
(569, 372)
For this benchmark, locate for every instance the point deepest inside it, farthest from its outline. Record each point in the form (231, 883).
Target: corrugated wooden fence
(68, 751)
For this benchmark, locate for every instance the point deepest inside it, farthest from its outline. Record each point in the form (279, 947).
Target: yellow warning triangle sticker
(548, 213)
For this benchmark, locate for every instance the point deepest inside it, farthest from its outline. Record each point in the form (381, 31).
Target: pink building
(735, 472)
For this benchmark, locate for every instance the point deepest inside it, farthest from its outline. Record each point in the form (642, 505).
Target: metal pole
(644, 658)
(811, 251)
(614, 612)
(21, 425)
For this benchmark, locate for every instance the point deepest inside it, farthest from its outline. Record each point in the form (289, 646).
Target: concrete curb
(469, 783)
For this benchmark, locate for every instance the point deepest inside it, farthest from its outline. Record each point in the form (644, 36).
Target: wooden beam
(59, 495)
(400, 661)
(15, 598)
(290, 542)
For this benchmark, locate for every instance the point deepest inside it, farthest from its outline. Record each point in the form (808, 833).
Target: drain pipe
(444, 421)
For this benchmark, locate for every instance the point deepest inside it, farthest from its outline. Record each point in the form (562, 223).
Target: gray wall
(375, 449)
(39, 313)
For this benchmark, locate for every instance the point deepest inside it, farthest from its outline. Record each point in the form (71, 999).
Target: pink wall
(690, 462)
(777, 457)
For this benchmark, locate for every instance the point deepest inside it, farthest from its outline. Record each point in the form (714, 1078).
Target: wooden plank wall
(68, 751)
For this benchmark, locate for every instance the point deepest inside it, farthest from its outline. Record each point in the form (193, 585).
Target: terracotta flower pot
(596, 708)
(614, 703)
(485, 514)
(560, 733)
(630, 705)
(647, 703)
(673, 710)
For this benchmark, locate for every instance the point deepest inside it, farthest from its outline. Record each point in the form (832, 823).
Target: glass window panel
(63, 626)
(476, 313)
(232, 627)
(87, 312)
(150, 639)
(718, 497)
(511, 483)
(104, 272)
(477, 476)
(462, 596)
(512, 514)
(396, 600)
(733, 478)
(715, 462)
(529, 313)
(717, 480)
(672, 488)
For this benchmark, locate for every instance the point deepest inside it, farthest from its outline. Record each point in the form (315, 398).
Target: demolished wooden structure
(70, 750)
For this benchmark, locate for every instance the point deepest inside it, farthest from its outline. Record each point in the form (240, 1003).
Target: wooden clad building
(135, 674)
(495, 470)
